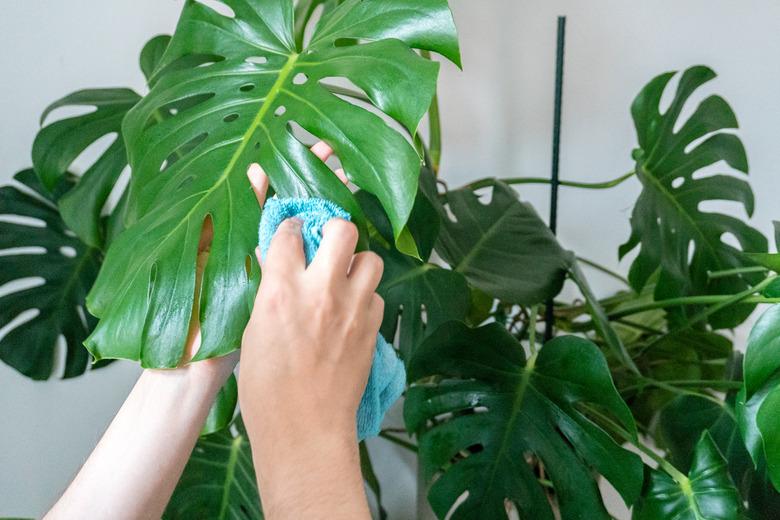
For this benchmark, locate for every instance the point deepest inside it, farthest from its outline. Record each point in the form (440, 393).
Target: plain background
(497, 117)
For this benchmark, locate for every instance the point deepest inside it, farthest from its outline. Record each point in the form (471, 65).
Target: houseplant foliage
(501, 421)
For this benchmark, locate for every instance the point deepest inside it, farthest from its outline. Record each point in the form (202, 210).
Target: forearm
(318, 477)
(135, 467)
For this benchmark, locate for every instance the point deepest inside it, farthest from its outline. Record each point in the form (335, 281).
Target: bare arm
(134, 469)
(305, 359)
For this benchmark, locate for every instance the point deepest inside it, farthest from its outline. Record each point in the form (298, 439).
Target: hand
(216, 370)
(305, 359)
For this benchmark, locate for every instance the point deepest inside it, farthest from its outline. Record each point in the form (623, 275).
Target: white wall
(497, 119)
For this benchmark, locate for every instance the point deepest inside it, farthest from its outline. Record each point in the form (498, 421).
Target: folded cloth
(387, 378)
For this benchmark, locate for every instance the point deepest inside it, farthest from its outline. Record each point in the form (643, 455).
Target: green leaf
(686, 355)
(58, 145)
(769, 260)
(224, 407)
(63, 269)
(502, 246)
(667, 224)
(758, 403)
(370, 478)
(489, 411)
(152, 53)
(422, 295)
(706, 494)
(600, 320)
(243, 104)
(218, 481)
(684, 420)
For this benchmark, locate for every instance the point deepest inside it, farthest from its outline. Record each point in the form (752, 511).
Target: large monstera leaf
(489, 412)
(244, 105)
(673, 233)
(66, 269)
(707, 493)
(502, 246)
(218, 481)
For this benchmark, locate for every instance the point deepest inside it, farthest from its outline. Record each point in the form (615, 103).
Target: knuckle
(342, 229)
(374, 262)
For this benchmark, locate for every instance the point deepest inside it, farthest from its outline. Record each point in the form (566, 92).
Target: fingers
(339, 238)
(341, 175)
(259, 181)
(366, 270)
(322, 151)
(285, 254)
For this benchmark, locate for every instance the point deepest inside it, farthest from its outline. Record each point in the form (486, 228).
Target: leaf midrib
(514, 413)
(670, 196)
(230, 469)
(256, 122)
(491, 231)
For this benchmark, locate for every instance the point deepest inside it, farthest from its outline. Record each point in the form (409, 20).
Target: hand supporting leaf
(674, 235)
(242, 107)
(489, 411)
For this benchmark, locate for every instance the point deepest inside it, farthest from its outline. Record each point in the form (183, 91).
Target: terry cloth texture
(387, 378)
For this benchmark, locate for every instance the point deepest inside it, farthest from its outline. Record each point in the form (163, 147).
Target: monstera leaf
(218, 481)
(706, 493)
(244, 105)
(58, 145)
(422, 294)
(39, 246)
(502, 246)
(490, 411)
(758, 403)
(667, 223)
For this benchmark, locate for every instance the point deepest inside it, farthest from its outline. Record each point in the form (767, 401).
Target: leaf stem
(667, 466)
(434, 127)
(532, 329)
(739, 270)
(605, 270)
(482, 183)
(396, 440)
(726, 299)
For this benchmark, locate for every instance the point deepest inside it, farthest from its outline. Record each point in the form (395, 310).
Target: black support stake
(549, 317)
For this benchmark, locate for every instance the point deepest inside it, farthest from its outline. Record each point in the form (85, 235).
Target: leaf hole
(679, 181)
(22, 318)
(220, 7)
(257, 60)
(31, 250)
(280, 110)
(247, 88)
(230, 118)
(68, 251)
(300, 79)
(183, 150)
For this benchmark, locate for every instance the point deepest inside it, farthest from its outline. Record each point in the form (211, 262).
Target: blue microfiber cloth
(387, 378)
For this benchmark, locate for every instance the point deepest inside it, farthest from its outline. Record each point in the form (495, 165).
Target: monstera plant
(642, 390)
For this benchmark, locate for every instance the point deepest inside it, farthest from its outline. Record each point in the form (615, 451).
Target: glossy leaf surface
(490, 411)
(218, 481)
(502, 246)
(244, 99)
(707, 494)
(38, 247)
(758, 403)
(673, 233)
